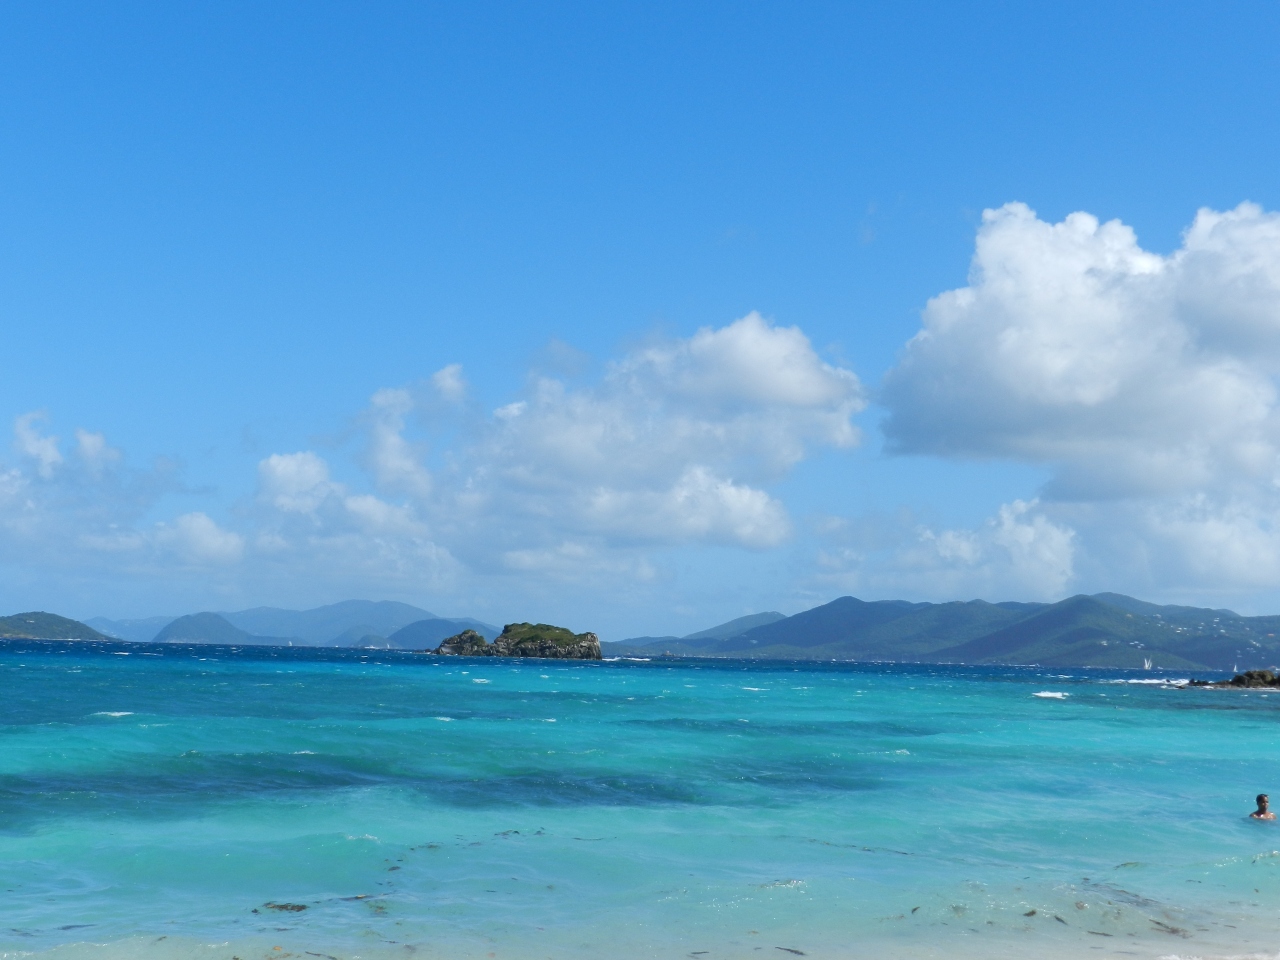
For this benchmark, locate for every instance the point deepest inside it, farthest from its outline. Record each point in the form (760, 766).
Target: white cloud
(1075, 347)
(677, 443)
(94, 451)
(294, 482)
(55, 513)
(698, 506)
(578, 562)
(450, 384)
(379, 517)
(196, 538)
(1019, 553)
(32, 443)
(752, 389)
(672, 445)
(1143, 385)
(394, 461)
(1145, 382)
(309, 524)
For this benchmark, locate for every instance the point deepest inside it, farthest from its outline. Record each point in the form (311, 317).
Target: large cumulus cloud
(1144, 382)
(675, 444)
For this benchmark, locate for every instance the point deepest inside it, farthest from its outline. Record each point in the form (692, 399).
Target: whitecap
(1051, 695)
(756, 689)
(479, 681)
(304, 753)
(549, 720)
(113, 713)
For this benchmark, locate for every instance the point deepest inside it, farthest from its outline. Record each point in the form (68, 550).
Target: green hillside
(1106, 630)
(46, 626)
(878, 630)
(1078, 631)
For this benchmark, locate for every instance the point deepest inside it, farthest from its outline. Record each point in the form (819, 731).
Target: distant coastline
(1103, 630)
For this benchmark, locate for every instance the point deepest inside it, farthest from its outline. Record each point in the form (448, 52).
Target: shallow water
(156, 802)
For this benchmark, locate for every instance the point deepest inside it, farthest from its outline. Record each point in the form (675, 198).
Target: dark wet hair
(1261, 797)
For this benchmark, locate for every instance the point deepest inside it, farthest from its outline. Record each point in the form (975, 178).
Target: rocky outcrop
(468, 643)
(524, 640)
(1248, 679)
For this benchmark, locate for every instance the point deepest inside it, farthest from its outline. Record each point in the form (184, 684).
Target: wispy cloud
(1018, 553)
(31, 443)
(677, 443)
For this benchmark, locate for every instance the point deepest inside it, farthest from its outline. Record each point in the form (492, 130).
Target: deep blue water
(155, 800)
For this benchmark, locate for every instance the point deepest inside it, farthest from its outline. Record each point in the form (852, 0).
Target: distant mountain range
(351, 623)
(1104, 630)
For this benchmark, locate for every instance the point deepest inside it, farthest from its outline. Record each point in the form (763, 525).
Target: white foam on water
(478, 681)
(1051, 695)
(112, 713)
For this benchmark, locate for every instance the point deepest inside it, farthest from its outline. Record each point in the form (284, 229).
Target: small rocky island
(523, 640)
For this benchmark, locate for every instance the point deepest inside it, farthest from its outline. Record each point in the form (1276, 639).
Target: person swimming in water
(1262, 813)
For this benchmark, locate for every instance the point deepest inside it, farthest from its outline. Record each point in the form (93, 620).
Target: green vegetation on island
(38, 625)
(524, 640)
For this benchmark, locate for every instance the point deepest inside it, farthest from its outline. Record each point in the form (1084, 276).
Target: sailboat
(1146, 663)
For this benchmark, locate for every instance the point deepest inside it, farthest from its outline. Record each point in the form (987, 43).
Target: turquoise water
(156, 801)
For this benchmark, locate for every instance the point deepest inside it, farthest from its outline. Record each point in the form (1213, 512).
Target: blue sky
(232, 233)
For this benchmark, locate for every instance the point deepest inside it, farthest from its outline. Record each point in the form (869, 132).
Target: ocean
(162, 802)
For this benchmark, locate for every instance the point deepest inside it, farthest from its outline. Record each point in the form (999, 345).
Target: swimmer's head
(1262, 801)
